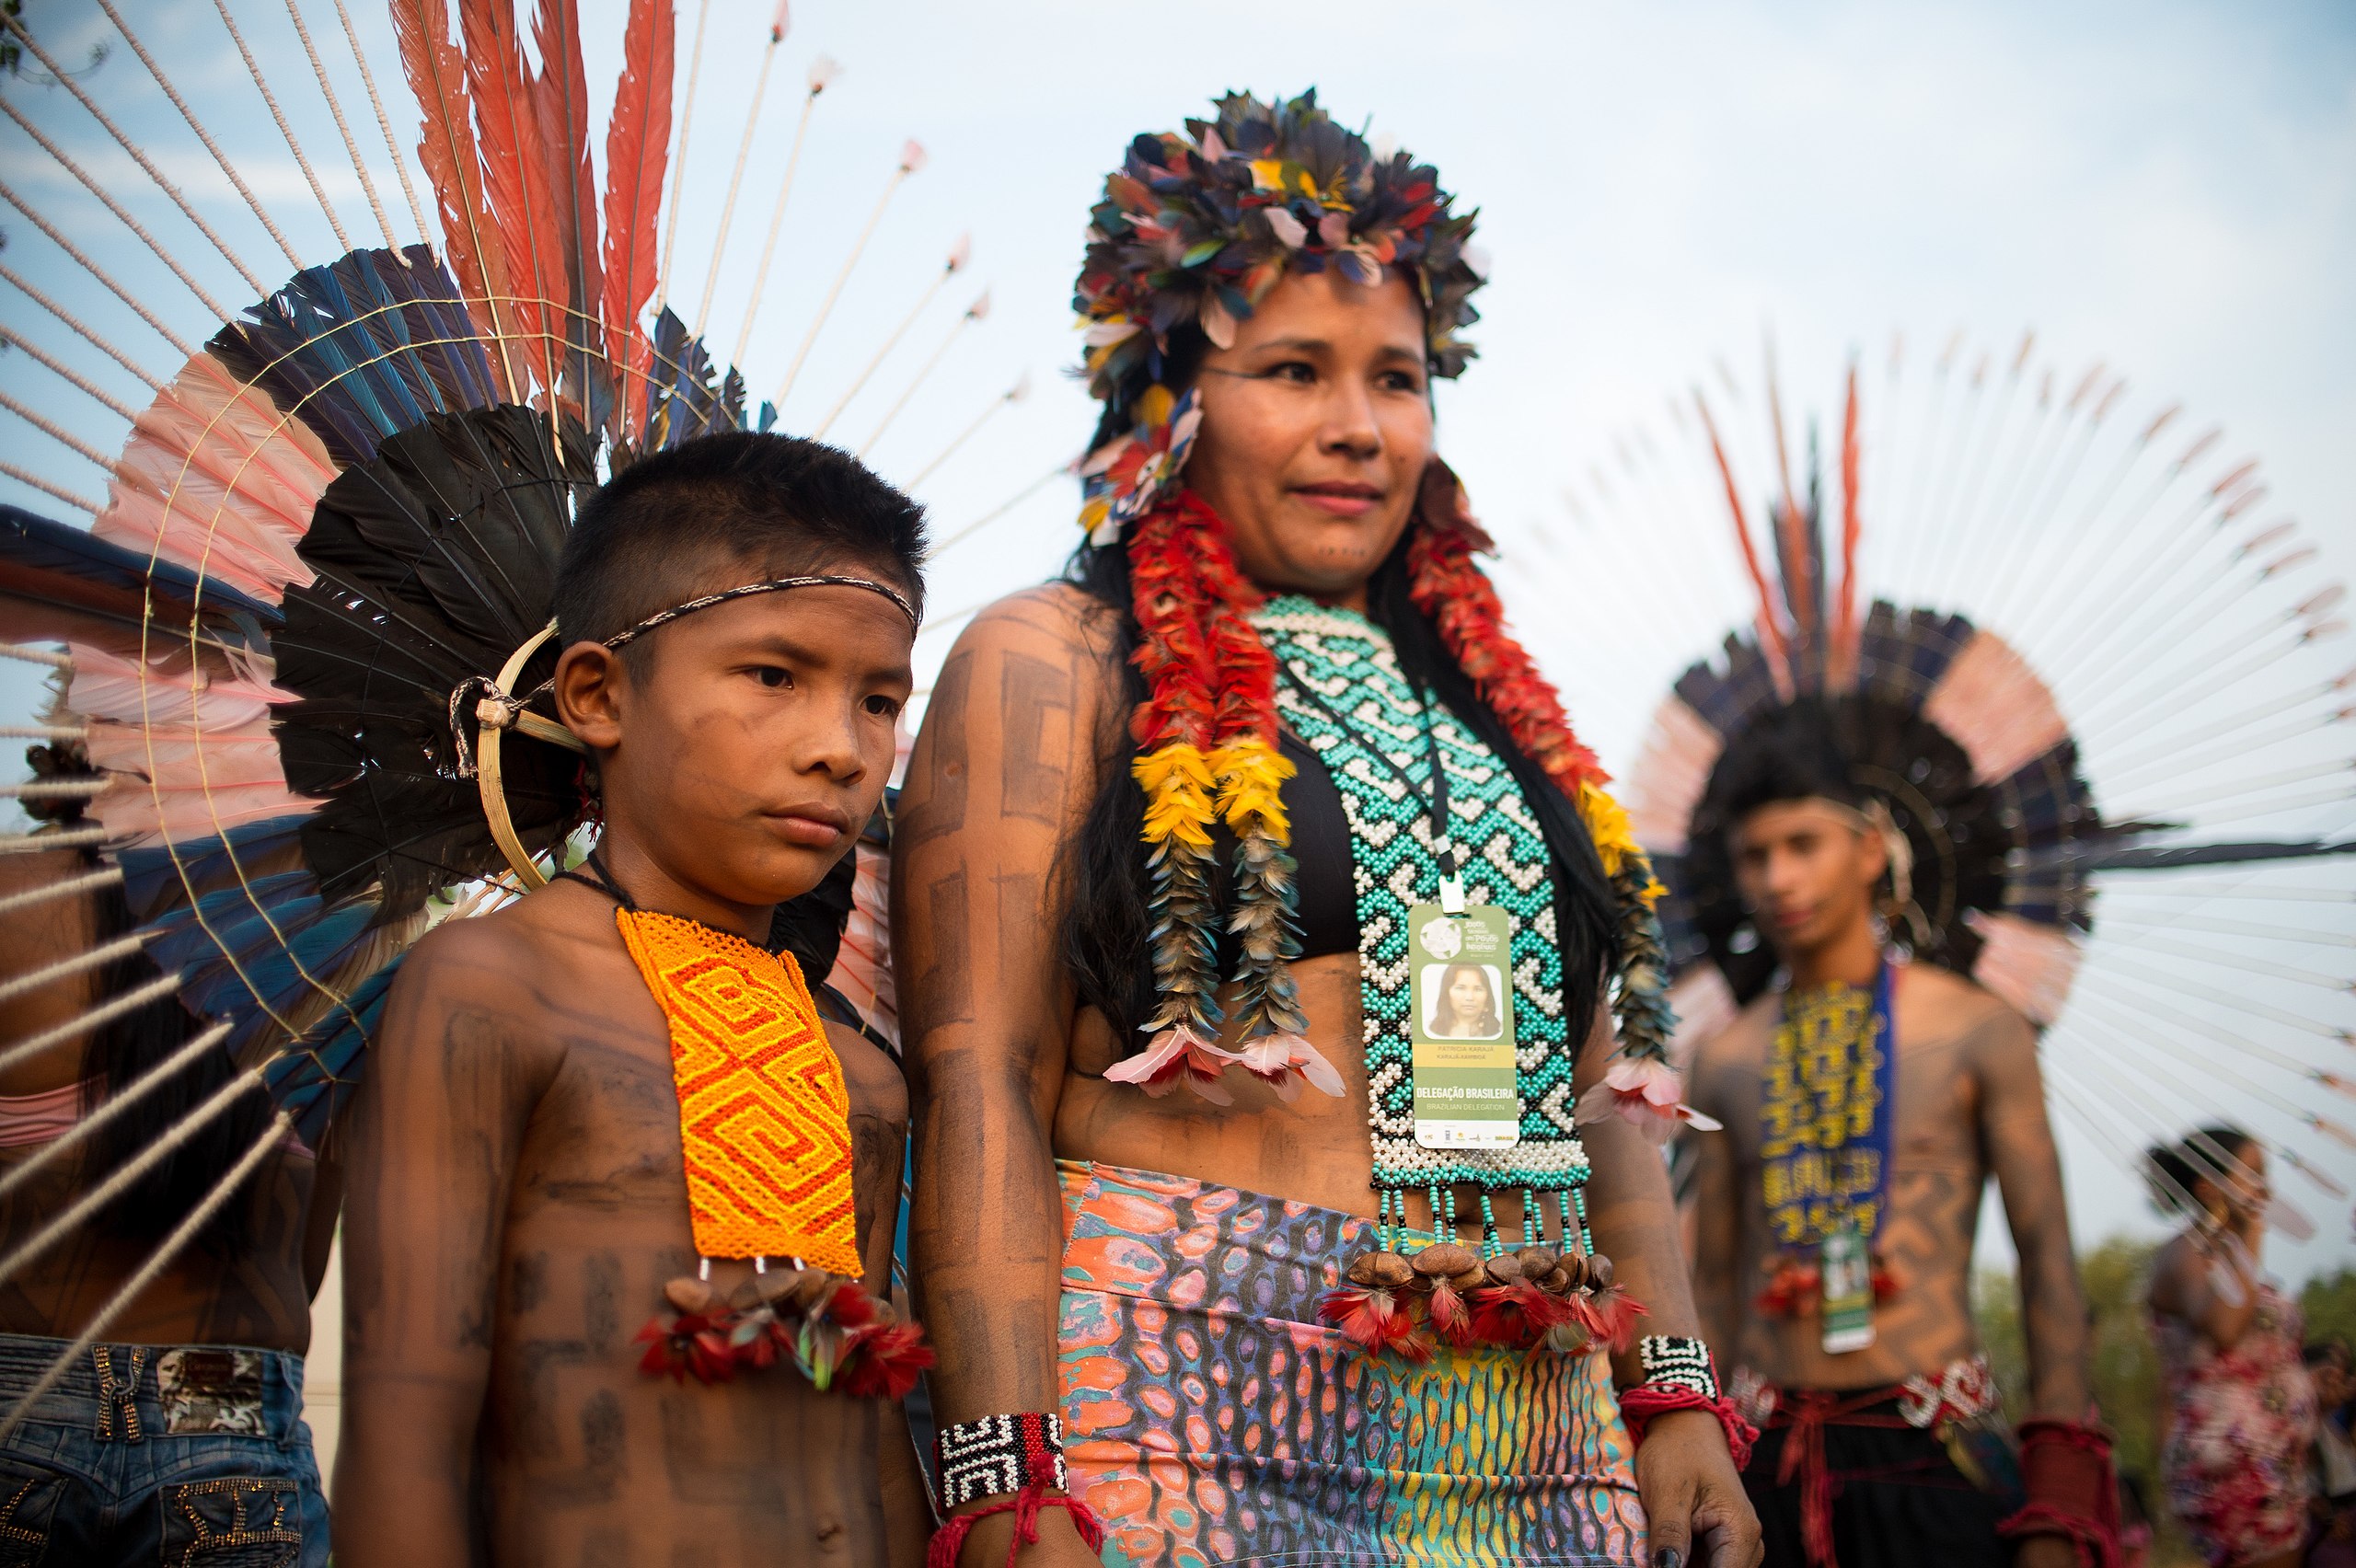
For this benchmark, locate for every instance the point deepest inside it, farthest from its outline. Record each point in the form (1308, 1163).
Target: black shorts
(1898, 1502)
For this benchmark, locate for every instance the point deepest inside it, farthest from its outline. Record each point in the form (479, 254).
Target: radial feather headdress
(330, 537)
(2078, 660)
(1193, 231)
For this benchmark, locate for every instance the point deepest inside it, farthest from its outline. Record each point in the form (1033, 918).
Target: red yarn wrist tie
(1639, 1405)
(2066, 1470)
(1025, 1506)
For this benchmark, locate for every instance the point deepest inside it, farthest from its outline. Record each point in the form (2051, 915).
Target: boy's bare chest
(605, 1138)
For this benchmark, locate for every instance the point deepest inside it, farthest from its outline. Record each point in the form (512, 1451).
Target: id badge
(1848, 1289)
(1461, 972)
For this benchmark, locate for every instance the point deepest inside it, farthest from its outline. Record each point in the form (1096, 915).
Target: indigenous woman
(2241, 1403)
(1169, 829)
(1467, 1008)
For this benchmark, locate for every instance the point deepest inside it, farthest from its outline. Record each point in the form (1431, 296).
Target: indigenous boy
(1866, 1102)
(526, 1164)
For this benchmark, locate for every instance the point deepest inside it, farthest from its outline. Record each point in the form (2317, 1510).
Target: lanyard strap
(1451, 885)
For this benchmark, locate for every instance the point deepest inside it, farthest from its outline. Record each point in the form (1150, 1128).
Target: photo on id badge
(1463, 1001)
(1465, 1088)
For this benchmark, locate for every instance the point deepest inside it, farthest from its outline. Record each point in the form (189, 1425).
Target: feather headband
(1196, 228)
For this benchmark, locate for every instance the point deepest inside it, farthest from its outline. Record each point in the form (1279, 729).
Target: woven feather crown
(1194, 230)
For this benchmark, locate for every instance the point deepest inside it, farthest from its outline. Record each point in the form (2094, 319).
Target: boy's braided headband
(496, 710)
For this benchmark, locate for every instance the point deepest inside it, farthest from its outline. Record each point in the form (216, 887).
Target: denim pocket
(233, 1522)
(28, 1503)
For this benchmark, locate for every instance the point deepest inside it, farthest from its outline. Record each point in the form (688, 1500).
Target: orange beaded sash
(764, 1117)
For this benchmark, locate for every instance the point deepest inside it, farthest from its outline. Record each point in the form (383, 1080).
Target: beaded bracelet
(999, 1454)
(1680, 1374)
(1022, 1454)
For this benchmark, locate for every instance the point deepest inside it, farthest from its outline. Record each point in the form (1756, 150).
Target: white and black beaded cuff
(999, 1455)
(1675, 1361)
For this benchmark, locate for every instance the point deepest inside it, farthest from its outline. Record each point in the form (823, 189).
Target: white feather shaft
(835, 291)
(86, 335)
(735, 178)
(202, 135)
(122, 1179)
(67, 373)
(74, 964)
(117, 1101)
(253, 69)
(49, 1040)
(70, 498)
(777, 223)
(112, 205)
(89, 881)
(383, 123)
(876, 362)
(335, 108)
(679, 162)
(96, 272)
(137, 154)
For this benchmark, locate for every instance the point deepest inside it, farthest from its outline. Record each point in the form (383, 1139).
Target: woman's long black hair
(126, 1048)
(1102, 872)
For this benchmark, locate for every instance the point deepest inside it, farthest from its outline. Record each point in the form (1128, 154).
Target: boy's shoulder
(874, 1080)
(546, 968)
(524, 946)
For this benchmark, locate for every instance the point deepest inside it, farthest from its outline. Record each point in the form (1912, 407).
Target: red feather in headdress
(638, 148)
(523, 201)
(1770, 630)
(437, 77)
(561, 89)
(1449, 1317)
(1844, 623)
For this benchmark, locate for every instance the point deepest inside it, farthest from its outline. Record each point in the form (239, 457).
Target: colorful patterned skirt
(1210, 1419)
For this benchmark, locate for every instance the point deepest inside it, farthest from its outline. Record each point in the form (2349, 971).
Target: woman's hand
(1698, 1513)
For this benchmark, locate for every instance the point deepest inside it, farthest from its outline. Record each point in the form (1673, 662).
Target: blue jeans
(190, 1456)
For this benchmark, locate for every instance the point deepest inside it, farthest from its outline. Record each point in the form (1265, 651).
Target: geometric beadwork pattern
(1348, 661)
(1677, 1361)
(764, 1118)
(999, 1455)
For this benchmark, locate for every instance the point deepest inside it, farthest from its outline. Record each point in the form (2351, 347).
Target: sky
(2168, 187)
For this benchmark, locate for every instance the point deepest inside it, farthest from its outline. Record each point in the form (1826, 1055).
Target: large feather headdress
(326, 546)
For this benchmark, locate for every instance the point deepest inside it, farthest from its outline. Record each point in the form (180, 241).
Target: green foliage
(2328, 1303)
(11, 52)
(2126, 1367)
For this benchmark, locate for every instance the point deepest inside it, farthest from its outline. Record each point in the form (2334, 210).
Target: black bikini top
(1325, 878)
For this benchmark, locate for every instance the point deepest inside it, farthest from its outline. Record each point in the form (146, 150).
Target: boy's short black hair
(743, 505)
(1794, 754)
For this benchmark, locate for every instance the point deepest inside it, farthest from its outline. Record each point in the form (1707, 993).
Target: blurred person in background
(2241, 1405)
(1868, 1094)
(2333, 1506)
(183, 1424)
